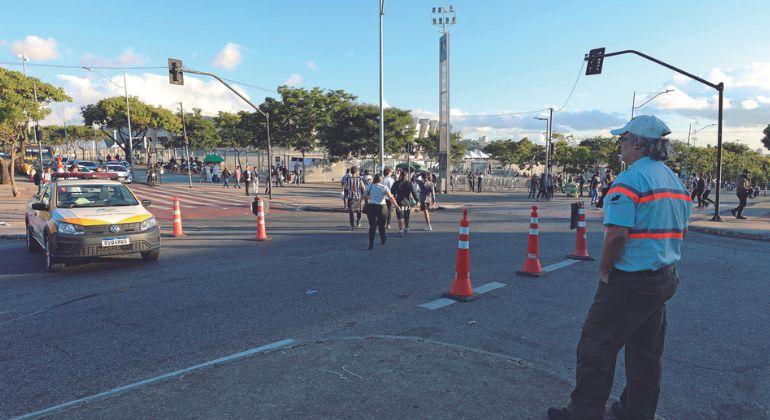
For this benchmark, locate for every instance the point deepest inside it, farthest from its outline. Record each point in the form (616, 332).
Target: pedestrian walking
(406, 199)
(742, 191)
(366, 177)
(479, 181)
(355, 192)
(594, 186)
(606, 184)
(427, 197)
(247, 175)
(225, 177)
(637, 276)
(581, 182)
(452, 181)
(237, 174)
(534, 185)
(388, 182)
(471, 181)
(700, 188)
(548, 187)
(215, 173)
(707, 190)
(344, 182)
(377, 194)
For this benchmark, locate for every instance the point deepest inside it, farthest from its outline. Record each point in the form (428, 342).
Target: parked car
(79, 217)
(124, 175)
(89, 164)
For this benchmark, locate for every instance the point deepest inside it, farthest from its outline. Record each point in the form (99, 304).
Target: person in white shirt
(388, 182)
(215, 173)
(377, 193)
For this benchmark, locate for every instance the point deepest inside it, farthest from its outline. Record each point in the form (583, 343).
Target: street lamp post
(443, 17)
(130, 150)
(633, 102)
(23, 57)
(382, 111)
(595, 59)
(186, 144)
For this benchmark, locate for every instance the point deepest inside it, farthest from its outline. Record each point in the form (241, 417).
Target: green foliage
(430, 147)
(201, 131)
(766, 138)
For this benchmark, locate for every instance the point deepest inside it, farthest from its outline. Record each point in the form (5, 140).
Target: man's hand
(614, 242)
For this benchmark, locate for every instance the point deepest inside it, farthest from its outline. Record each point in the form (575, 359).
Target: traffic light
(410, 148)
(595, 61)
(175, 73)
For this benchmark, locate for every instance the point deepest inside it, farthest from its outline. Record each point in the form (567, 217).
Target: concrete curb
(730, 233)
(12, 237)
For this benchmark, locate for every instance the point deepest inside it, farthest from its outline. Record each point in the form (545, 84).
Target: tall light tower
(443, 17)
(382, 111)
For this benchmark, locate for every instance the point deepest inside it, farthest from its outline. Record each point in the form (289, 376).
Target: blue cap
(644, 126)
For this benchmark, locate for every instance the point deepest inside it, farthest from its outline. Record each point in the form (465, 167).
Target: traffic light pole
(595, 60)
(264, 114)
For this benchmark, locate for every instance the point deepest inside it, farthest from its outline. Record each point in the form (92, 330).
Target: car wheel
(52, 265)
(32, 245)
(151, 255)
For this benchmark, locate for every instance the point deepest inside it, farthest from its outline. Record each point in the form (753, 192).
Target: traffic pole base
(263, 239)
(459, 298)
(528, 274)
(581, 257)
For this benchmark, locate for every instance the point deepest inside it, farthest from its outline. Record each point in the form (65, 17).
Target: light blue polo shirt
(650, 200)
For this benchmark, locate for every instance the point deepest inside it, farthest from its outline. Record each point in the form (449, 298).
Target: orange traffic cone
(532, 266)
(581, 244)
(462, 289)
(177, 219)
(261, 233)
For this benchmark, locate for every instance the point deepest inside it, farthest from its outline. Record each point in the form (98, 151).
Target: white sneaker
(430, 228)
(401, 233)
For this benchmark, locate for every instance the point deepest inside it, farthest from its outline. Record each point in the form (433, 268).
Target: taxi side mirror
(39, 206)
(146, 202)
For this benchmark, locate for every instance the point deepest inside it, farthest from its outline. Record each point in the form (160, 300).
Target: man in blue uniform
(646, 215)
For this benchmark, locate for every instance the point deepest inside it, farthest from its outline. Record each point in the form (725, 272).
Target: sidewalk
(353, 377)
(12, 208)
(756, 226)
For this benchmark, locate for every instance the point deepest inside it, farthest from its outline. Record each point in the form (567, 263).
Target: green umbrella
(213, 159)
(415, 166)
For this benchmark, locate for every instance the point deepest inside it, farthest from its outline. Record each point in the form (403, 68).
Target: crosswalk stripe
(189, 199)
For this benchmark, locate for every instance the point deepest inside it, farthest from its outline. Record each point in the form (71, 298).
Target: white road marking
(123, 389)
(558, 265)
(440, 303)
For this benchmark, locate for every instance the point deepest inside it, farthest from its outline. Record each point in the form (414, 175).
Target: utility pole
(444, 16)
(186, 144)
(382, 111)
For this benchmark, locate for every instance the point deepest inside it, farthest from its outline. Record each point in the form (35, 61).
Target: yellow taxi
(78, 217)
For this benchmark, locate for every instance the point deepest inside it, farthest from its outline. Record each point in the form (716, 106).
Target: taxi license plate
(117, 241)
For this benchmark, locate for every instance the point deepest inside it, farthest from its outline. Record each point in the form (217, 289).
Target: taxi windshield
(70, 196)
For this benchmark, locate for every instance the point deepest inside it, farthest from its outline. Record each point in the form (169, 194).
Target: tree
(237, 131)
(604, 152)
(110, 114)
(22, 99)
(201, 130)
(766, 138)
(429, 146)
(67, 137)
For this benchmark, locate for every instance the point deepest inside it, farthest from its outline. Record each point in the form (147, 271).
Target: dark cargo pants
(629, 311)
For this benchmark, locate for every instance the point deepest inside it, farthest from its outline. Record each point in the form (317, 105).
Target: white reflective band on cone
(533, 220)
(463, 244)
(581, 224)
(533, 232)
(260, 214)
(531, 256)
(464, 230)
(581, 211)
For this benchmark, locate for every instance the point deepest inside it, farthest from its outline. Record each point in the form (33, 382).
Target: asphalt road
(218, 292)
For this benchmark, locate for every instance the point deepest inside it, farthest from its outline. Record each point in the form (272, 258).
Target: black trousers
(377, 218)
(629, 311)
(601, 200)
(351, 210)
(706, 198)
(390, 210)
(741, 203)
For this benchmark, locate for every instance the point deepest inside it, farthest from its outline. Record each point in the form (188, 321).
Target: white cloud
(750, 104)
(294, 80)
(127, 58)
(679, 100)
(311, 65)
(229, 57)
(36, 48)
(763, 99)
(210, 96)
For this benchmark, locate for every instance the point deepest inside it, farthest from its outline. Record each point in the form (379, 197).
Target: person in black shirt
(405, 195)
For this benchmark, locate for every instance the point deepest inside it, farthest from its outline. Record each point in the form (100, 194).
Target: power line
(580, 73)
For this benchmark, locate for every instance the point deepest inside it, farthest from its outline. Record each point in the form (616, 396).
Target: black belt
(646, 273)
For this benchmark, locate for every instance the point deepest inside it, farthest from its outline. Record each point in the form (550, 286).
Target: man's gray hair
(656, 149)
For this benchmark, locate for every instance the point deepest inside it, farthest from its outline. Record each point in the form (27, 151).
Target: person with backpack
(406, 198)
(355, 196)
(376, 211)
(427, 196)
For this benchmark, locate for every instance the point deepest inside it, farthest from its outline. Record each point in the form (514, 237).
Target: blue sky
(507, 56)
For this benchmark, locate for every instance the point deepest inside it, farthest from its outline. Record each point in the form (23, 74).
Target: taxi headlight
(69, 228)
(148, 224)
